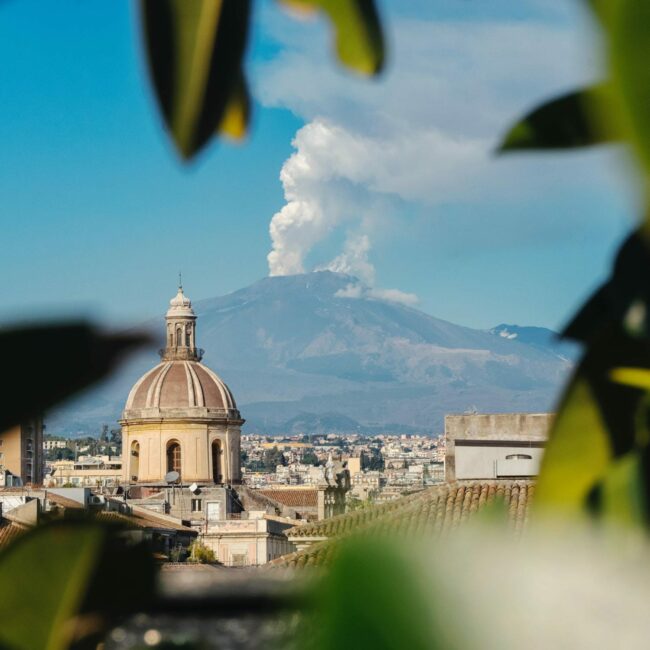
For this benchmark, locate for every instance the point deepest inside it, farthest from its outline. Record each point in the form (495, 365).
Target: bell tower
(181, 330)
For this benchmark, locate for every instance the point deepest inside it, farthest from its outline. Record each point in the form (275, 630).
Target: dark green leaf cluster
(196, 53)
(64, 584)
(598, 457)
(69, 357)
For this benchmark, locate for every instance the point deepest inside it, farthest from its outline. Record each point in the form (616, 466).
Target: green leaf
(627, 24)
(577, 453)
(195, 50)
(600, 420)
(44, 577)
(51, 362)
(636, 377)
(572, 120)
(370, 599)
(620, 497)
(359, 39)
(623, 300)
(234, 123)
(66, 581)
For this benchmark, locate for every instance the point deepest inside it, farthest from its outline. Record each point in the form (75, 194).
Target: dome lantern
(181, 330)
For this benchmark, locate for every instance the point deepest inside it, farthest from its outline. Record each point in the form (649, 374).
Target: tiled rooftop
(294, 498)
(9, 530)
(436, 510)
(142, 520)
(64, 502)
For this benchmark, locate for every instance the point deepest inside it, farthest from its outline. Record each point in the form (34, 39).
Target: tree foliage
(201, 554)
(310, 458)
(600, 438)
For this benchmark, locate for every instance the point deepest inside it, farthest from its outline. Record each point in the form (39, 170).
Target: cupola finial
(181, 328)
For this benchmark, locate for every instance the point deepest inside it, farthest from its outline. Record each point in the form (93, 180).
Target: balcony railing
(182, 353)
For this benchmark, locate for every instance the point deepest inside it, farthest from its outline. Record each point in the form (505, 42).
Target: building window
(135, 460)
(174, 456)
(197, 505)
(217, 476)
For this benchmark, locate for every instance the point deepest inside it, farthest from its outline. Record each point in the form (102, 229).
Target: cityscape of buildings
(179, 468)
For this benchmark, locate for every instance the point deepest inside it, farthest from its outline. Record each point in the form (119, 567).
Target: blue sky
(394, 176)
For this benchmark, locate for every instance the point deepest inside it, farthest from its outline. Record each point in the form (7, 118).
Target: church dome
(180, 387)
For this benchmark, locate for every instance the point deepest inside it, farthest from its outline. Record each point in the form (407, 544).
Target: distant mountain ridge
(297, 353)
(539, 337)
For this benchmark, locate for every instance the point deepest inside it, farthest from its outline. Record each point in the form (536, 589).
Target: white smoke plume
(422, 136)
(354, 260)
(330, 159)
(316, 201)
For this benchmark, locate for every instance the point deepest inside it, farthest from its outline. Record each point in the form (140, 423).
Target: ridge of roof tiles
(437, 510)
(9, 530)
(64, 502)
(341, 524)
(139, 521)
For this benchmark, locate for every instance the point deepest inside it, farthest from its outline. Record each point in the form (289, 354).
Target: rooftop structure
(495, 446)
(180, 416)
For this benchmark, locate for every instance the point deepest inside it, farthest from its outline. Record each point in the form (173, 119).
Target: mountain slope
(538, 337)
(295, 351)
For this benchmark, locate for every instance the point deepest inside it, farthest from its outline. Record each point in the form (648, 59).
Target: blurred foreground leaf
(66, 580)
(619, 498)
(195, 50)
(623, 300)
(359, 40)
(370, 599)
(627, 24)
(48, 363)
(600, 420)
(235, 119)
(572, 120)
(577, 453)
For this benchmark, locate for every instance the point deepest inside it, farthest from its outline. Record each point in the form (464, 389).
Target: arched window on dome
(174, 456)
(217, 475)
(179, 337)
(187, 337)
(134, 460)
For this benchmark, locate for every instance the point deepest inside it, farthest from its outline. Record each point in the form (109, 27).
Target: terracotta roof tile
(438, 510)
(64, 502)
(293, 498)
(9, 531)
(142, 520)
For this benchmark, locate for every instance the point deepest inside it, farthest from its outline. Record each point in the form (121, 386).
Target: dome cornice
(184, 416)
